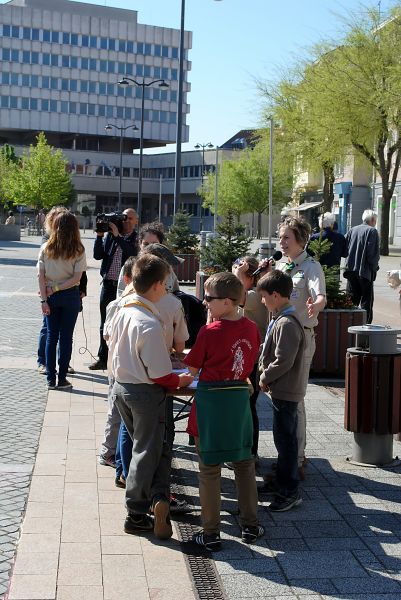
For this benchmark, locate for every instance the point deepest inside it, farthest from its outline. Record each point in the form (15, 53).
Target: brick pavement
(343, 542)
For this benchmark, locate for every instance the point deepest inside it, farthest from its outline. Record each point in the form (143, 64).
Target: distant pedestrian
(363, 262)
(338, 247)
(10, 219)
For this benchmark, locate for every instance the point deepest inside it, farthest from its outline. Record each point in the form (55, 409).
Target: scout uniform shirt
(308, 281)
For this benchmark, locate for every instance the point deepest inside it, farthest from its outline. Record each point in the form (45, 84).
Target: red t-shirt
(225, 351)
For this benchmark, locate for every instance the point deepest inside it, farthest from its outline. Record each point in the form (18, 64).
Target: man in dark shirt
(363, 262)
(338, 244)
(113, 250)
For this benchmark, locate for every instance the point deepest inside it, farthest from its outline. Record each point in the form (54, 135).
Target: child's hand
(263, 386)
(185, 380)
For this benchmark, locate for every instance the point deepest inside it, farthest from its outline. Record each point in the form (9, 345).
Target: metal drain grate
(206, 580)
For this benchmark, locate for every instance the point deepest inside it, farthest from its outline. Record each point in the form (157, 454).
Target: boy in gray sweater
(281, 364)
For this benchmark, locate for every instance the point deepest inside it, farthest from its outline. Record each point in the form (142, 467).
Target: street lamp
(108, 128)
(198, 147)
(177, 177)
(270, 119)
(142, 85)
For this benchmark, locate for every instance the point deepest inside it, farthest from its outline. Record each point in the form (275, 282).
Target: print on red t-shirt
(225, 351)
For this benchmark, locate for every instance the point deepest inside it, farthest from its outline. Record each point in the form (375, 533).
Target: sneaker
(162, 525)
(107, 462)
(179, 506)
(209, 541)
(98, 365)
(120, 482)
(281, 504)
(268, 488)
(51, 385)
(252, 533)
(70, 370)
(64, 384)
(42, 369)
(135, 523)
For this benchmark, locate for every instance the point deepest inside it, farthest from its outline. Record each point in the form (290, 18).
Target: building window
(173, 96)
(122, 46)
(6, 31)
(54, 83)
(45, 58)
(109, 111)
(46, 35)
(26, 33)
(33, 104)
(102, 89)
(53, 105)
(5, 79)
(148, 49)
(92, 109)
(64, 106)
(84, 86)
(163, 116)
(137, 113)
(157, 72)
(92, 87)
(45, 82)
(128, 92)
(26, 56)
(130, 47)
(163, 94)
(25, 103)
(120, 91)
(164, 73)
(83, 108)
(158, 50)
(65, 61)
(35, 34)
(85, 64)
(121, 68)
(110, 89)
(173, 117)
(93, 64)
(103, 66)
(146, 71)
(139, 48)
(15, 55)
(174, 52)
(127, 113)
(55, 37)
(93, 41)
(139, 70)
(156, 94)
(73, 85)
(15, 31)
(44, 105)
(120, 112)
(13, 102)
(101, 110)
(54, 60)
(73, 108)
(14, 79)
(34, 81)
(74, 39)
(5, 100)
(174, 74)
(74, 62)
(111, 66)
(129, 69)
(66, 38)
(103, 43)
(147, 93)
(165, 51)
(112, 44)
(85, 41)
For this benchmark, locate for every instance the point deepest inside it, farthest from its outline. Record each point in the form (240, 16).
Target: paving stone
(314, 564)
(367, 585)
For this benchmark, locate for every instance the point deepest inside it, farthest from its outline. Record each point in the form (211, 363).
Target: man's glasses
(210, 298)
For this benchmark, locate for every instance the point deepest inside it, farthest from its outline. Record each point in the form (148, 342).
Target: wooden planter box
(333, 339)
(186, 271)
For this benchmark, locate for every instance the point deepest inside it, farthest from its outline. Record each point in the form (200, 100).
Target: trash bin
(373, 393)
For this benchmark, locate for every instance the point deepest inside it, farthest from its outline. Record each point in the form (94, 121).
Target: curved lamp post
(198, 147)
(108, 128)
(142, 84)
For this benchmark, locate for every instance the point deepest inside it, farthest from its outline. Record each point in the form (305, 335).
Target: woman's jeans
(64, 308)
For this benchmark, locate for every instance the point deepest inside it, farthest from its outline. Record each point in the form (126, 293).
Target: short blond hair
(226, 285)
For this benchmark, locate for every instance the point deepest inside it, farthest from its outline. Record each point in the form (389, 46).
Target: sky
(236, 43)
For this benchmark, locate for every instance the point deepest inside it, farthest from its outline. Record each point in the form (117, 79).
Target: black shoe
(268, 488)
(209, 541)
(108, 462)
(51, 385)
(251, 534)
(162, 523)
(281, 504)
(136, 523)
(70, 370)
(98, 365)
(64, 384)
(120, 482)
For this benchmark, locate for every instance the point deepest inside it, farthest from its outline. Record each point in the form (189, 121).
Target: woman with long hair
(60, 265)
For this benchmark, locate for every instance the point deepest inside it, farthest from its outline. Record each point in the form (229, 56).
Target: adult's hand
(45, 308)
(185, 380)
(114, 230)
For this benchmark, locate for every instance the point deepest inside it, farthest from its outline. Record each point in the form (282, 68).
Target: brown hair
(128, 266)
(276, 281)
(65, 240)
(51, 215)
(226, 285)
(148, 269)
(299, 226)
(156, 228)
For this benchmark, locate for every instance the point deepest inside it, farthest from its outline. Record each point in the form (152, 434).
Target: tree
(243, 181)
(8, 160)
(41, 179)
(180, 237)
(351, 92)
(230, 243)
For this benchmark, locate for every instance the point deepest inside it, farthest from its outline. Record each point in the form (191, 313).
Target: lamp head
(123, 82)
(108, 127)
(163, 85)
(210, 145)
(135, 128)
(197, 146)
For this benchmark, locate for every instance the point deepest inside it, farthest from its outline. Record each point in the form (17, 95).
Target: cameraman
(113, 251)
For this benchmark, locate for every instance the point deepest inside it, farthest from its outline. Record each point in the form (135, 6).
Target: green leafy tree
(243, 182)
(180, 237)
(8, 162)
(41, 179)
(229, 244)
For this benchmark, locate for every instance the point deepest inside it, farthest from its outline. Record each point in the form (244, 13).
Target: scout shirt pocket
(299, 284)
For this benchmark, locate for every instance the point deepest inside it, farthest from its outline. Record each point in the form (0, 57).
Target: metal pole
(271, 180)
(121, 171)
(160, 198)
(177, 178)
(201, 205)
(139, 205)
(216, 189)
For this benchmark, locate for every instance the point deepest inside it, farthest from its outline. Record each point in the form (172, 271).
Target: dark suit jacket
(105, 247)
(337, 250)
(363, 251)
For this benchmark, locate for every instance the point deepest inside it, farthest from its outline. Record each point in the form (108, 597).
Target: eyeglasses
(210, 298)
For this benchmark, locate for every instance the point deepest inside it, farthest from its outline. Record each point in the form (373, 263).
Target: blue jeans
(64, 308)
(285, 420)
(42, 344)
(123, 452)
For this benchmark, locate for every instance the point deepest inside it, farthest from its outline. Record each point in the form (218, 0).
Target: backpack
(195, 315)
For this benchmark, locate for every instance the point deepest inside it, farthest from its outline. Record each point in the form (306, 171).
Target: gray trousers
(112, 427)
(143, 409)
(301, 428)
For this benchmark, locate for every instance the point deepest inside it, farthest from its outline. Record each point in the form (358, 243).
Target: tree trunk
(385, 217)
(259, 231)
(328, 186)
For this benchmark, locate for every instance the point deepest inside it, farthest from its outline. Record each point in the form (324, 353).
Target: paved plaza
(344, 541)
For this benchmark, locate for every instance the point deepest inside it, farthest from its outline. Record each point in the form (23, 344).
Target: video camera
(104, 219)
